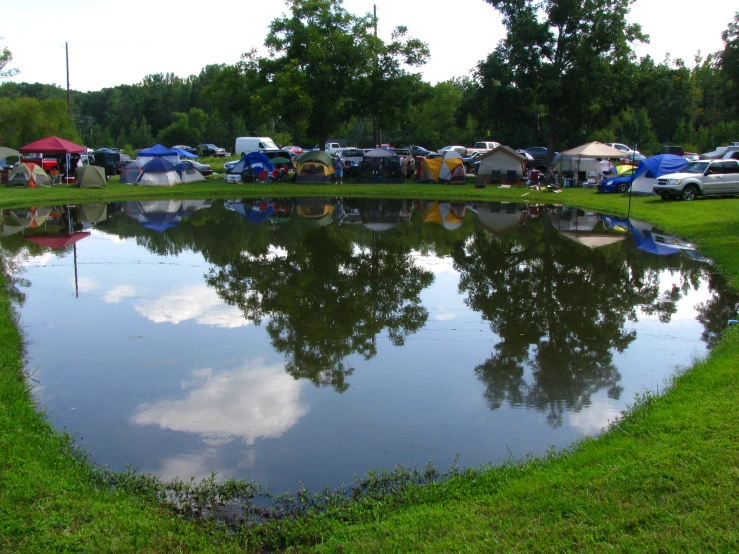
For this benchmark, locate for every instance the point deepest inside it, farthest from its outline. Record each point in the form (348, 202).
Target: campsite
(282, 350)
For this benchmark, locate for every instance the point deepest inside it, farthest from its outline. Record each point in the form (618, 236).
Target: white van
(244, 145)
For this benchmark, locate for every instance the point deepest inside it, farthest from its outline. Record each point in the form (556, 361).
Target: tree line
(564, 74)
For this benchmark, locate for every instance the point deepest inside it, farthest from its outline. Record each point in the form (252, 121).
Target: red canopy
(59, 240)
(52, 145)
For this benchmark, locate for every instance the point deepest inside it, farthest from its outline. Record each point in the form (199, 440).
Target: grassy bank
(663, 479)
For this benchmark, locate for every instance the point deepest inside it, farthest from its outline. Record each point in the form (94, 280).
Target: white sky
(112, 44)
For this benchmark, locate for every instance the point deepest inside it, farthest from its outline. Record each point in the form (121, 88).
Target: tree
(559, 61)
(5, 58)
(730, 58)
(317, 52)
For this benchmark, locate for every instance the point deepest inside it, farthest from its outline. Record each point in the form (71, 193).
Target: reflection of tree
(559, 309)
(716, 312)
(325, 300)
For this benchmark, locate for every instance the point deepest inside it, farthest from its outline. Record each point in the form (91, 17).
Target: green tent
(315, 156)
(90, 177)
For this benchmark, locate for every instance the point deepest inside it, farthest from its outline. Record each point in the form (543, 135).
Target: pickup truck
(480, 146)
(46, 163)
(330, 147)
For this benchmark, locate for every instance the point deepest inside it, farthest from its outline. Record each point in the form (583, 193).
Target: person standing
(339, 170)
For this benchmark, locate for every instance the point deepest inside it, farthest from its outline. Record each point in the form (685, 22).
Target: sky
(118, 44)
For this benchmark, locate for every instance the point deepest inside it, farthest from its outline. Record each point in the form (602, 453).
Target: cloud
(119, 294)
(86, 285)
(197, 302)
(250, 403)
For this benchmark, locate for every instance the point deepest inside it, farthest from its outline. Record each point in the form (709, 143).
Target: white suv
(701, 178)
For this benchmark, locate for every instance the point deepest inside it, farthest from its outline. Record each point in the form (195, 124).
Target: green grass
(664, 479)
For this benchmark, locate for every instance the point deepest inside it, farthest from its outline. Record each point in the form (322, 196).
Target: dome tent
(28, 175)
(158, 172)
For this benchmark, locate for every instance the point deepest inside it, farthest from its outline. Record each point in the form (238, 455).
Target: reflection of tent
(160, 215)
(593, 240)
(315, 212)
(15, 221)
(499, 218)
(313, 167)
(500, 161)
(188, 174)
(28, 175)
(645, 176)
(158, 172)
(574, 219)
(443, 213)
(649, 240)
(251, 213)
(92, 213)
(58, 240)
(89, 177)
(447, 169)
(131, 172)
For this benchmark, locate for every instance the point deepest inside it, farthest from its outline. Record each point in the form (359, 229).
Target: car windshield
(696, 167)
(352, 153)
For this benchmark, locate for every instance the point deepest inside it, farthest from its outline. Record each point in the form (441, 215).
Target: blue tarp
(156, 151)
(184, 153)
(659, 165)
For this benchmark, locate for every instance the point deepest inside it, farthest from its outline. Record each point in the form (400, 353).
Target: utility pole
(69, 106)
(375, 117)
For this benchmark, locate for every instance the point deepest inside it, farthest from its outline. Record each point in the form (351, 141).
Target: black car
(211, 150)
(109, 160)
(189, 149)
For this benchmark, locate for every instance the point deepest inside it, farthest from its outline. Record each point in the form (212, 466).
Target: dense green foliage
(561, 79)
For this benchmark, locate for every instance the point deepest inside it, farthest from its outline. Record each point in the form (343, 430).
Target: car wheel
(622, 187)
(689, 193)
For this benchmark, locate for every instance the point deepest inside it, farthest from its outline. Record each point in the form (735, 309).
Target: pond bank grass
(665, 478)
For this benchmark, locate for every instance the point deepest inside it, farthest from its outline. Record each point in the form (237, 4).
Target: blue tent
(254, 160)
(184, 153)
(659, 165)
(157, 151)
(158, 172)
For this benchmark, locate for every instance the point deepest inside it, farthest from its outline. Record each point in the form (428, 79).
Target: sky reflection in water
(311, 340)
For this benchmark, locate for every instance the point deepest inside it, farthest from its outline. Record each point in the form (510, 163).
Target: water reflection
(435, 320)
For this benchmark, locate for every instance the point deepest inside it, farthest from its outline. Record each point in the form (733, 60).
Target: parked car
(109, 160)
(352, 160)
(616, 183)
(460, 149)
(701, 178)
(529, 157)
(629, 152)
(677, 150)
(539, 153)
(204, 169)
(419, 151)
(189, 149)
(211, 150)
(272, 154)
(469, 162)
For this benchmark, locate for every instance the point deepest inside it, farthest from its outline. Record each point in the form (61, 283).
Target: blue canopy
(184, 153)
(156, 151)
(659, 165)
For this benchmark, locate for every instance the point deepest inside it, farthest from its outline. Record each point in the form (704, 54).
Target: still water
(312, 340)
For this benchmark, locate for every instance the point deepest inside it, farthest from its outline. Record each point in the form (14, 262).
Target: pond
(311, 340)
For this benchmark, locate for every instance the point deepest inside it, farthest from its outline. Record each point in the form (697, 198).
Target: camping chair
(56, 177)
(263, 176)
